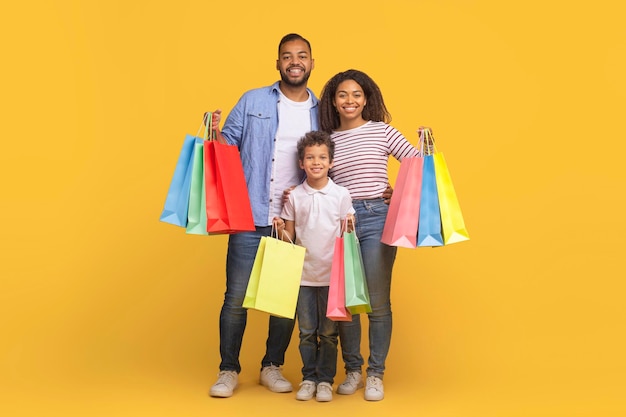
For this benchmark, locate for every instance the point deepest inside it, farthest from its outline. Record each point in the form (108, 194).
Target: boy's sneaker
(324, 392)
(306, 391)
(374, 389)
(226, 383)
(353, 382)
(272, 378)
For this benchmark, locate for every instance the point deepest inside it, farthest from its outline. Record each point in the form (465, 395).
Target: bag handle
(426, 141)
(207, 128)
(345, 227)
(274, 234)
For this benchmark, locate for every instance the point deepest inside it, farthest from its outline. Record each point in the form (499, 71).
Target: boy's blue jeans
(318, 335)
(378, 260)
(242, 248)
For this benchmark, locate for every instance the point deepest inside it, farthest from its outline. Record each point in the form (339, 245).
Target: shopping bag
(429, 224)
(402, 217)
(177, 200)
(227, 201)
(196, 215)
(452, 223)
(336, 309)
(275, 278)
(357, 295)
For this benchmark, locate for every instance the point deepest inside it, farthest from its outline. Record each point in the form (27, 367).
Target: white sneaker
(353, 382)
(226, 383)
(374, 389)
(272, 377)
(324, 392)
(306, 391)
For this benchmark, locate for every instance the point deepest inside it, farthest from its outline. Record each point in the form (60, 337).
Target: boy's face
(316, 162)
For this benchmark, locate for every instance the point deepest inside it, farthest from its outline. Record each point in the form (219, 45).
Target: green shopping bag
(196, 214)
(357, 295)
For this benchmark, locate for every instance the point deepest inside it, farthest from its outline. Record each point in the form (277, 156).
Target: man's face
(295, 63)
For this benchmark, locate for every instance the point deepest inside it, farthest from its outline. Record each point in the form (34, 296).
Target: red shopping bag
(336, 309)
(227, 202)
(402, 218)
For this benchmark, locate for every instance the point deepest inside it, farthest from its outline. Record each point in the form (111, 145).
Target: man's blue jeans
(378, 260)
(318, 336)
(242, 248)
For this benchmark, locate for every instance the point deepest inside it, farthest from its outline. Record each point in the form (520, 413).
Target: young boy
(313, 216)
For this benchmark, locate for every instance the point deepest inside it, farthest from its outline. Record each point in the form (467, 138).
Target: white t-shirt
(294, 120)
(317, 215)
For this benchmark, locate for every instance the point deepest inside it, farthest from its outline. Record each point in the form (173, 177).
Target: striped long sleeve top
(361, 157)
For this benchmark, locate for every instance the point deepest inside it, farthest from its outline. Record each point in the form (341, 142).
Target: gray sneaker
(324, 392)
(272, 377)
(374, 389)
(306, 391)
(225, 385)
(353, 382)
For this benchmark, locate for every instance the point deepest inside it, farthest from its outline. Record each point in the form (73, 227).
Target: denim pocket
(376, 207)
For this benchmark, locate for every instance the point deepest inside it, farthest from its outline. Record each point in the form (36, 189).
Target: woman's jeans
(378, 260)
(242, 248)
(318, 336)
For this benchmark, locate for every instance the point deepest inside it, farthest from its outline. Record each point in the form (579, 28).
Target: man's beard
(289, 82)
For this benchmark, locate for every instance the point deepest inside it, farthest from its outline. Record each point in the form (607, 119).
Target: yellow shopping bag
(275, 278)
(452, 223)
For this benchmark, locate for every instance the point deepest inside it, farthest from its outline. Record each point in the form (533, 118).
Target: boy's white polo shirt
(317, 215)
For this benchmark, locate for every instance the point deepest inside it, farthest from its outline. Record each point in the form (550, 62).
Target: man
(265, 124)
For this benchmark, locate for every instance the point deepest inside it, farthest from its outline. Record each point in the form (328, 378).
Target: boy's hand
(279, 225)
(350, 221)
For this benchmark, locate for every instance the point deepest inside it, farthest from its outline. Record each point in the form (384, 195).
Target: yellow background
(106, 311)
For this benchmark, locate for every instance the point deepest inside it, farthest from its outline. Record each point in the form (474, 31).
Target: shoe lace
(225, 377)
(307, 385)
(353, 378)
(273, 373)
(373, 382)
(324, 388)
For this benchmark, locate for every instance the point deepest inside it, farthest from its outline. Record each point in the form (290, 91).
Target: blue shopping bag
(429, 226)
(177, 200)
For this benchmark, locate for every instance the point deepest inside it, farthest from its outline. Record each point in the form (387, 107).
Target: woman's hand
(387, 194)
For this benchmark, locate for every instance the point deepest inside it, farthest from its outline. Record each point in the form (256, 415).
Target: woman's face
(349, 101)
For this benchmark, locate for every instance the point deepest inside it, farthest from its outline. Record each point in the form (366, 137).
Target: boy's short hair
(316, 138)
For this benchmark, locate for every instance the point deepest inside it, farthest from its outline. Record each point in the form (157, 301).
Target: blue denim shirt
(252, 126)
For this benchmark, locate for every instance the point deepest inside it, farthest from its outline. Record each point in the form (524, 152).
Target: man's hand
(216, 118)
(286, 193)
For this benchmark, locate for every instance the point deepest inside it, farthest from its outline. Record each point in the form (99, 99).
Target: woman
(352, 109)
